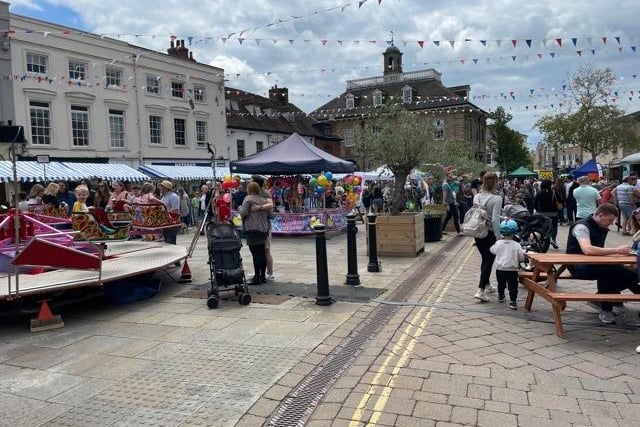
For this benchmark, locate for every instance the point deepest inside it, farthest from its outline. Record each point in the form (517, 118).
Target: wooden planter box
(399, 235)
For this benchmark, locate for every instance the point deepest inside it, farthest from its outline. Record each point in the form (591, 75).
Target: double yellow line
(401, 351)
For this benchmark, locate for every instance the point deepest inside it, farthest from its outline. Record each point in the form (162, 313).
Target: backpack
(476, 222)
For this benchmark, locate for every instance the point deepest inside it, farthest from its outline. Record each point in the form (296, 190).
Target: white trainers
(271, 276)
(481, 295)
(490, 289)
(606, 317)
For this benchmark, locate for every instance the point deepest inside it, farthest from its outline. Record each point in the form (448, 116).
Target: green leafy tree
(401, 140)
(596, 127)
(506, 144)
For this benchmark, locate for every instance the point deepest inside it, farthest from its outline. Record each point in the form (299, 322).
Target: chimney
(180, 51)
(279, 95)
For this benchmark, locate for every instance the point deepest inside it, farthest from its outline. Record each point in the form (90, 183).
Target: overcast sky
(518, 54)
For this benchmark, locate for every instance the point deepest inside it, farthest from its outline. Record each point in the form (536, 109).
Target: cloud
(314, 73)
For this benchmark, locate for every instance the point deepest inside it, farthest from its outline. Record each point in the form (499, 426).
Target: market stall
(298, 209)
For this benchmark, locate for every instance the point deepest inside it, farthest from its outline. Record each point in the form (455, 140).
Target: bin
(433, 228)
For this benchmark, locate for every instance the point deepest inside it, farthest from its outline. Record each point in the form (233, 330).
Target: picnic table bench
(549, 267)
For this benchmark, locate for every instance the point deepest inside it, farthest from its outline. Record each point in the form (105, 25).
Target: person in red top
(223, 208)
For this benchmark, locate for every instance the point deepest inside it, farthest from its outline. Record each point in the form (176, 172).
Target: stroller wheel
(244, 299)
(212, 301)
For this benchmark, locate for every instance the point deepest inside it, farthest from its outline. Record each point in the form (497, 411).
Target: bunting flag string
(422, 44)
(499, 60)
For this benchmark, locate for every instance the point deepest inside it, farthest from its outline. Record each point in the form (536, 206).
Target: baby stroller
(225, 263)
(534, 229)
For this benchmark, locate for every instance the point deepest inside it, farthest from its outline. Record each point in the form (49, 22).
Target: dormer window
(407, 95)
(377, 98)
(350, 101)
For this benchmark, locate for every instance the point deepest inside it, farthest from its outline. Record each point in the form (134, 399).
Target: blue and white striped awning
(38, 172)
(108, 171)
(184, 173)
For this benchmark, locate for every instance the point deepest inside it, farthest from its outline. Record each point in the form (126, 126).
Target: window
(177, 89)
(201, 133)
(179, 130)
(36, 63)
(259, 146)
(407, 97)
(240, 148)
(155, 130)
(40, 114)
(198, 93)
(489, 158)
(153, 84)
(116, 128)
(80, 125)
(77, 70)
(350, 101)
(375, 129)
(439, 129)
(469, 129)
(114, 77)
(377, 98)
(348, 137)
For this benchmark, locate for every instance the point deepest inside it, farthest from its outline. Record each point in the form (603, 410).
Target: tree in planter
(401, 140)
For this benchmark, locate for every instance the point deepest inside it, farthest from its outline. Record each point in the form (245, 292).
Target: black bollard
(374, 265)
(322, 272)
(353, 278)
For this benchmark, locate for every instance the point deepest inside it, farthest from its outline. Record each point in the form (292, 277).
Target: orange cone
(185, 276)
(46, 319)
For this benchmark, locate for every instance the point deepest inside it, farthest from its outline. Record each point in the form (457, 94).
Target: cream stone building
(82, 96)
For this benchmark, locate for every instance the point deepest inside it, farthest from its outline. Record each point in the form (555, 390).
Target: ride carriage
(153, 218)
(98, 225)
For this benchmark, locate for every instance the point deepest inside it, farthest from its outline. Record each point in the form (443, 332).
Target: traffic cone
(185, 275)
(46, 319)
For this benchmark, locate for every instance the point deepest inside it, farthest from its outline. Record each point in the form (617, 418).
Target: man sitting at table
(587, 237)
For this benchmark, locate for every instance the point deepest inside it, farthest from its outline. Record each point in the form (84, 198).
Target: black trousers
(611, 279)
(452, 213)
(259, 254)
(487, 257)
(508, 279)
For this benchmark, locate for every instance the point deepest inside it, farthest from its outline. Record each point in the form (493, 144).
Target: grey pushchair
(225, 264)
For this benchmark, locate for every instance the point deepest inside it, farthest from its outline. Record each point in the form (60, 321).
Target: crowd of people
(588, 208)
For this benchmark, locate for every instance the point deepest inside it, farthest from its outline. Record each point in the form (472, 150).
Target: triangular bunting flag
(552, 54)
(593, 52)
(361, 2)
(258, 41)
(559, 41)
(324, 42)
(436, 42)
(514, 42)
(513, 58)
(421, 44)
(543, 42)
(291, 41)
(579, 52)
(574, 41)
(484, 43)
(190, 39)
(275, 41)
(528, 41)
(604, 40)
(590, 41)
(540, 55)
(240, 41)
(224, 39)
(617, 39)
(620, 49)
(475, 60)
(499, 43)
(452, 43)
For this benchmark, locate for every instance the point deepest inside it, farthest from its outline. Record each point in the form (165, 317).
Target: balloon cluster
(322, 183)
(352, 188)
(230, 182)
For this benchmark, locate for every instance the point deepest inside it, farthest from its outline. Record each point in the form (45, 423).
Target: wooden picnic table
(547, 269)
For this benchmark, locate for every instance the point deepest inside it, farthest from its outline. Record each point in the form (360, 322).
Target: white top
(508, 254)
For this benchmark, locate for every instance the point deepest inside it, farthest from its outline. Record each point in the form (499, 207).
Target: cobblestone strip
(356, 333)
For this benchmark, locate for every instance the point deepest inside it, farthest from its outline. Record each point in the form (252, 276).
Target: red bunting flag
(559, 41)
(514, 42)
(421, 44)
(604, 40)
(324, 42)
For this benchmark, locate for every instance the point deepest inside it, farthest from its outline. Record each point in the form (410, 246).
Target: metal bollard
(374, 265)
(353, 278)
(322, 272)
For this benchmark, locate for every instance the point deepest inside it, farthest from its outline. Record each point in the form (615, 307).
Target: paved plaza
(423, 352)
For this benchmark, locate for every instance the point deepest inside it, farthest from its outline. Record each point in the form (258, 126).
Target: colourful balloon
(226, 198)
(226, 185)
(319, 189)
(322, 180)
(227, 178)
(329, 175)
(235, 183)
(348, 179)
(355, 180)
(313, 182)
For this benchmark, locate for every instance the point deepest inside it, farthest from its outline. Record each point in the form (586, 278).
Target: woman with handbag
(255, 211)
